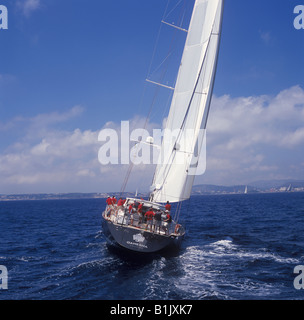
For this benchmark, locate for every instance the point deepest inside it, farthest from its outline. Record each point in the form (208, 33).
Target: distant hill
(202, 189)
(253, 187)
(58, 196)
(214, 189)
(276, 184)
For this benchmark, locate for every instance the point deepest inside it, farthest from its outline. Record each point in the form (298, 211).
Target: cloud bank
(252, 138)
(27, 7)
(248, 139)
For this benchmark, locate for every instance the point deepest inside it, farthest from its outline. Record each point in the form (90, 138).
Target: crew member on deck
(120, 202)
(131, 208)
(157, 221)
(109, 201)
(131, 211)
(168, 221)
(114, 200)
(168, 206)
(140, 212)
(110, 206)
(149, 214)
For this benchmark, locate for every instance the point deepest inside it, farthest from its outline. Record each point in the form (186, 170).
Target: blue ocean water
(237, 247)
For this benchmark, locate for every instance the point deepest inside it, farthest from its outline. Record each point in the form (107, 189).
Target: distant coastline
(275, 186)
(57, 196)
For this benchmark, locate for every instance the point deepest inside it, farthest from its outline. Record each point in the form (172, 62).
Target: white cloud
(248, 138)
(265, 36)
(46, 158)
(6, 79)
(28, 6)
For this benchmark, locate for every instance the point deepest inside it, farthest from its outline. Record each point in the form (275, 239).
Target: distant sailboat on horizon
(125, 224)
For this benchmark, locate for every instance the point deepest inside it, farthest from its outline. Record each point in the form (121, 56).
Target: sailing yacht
(125, 225)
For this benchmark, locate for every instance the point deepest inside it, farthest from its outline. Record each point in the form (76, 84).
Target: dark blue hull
(137, 239)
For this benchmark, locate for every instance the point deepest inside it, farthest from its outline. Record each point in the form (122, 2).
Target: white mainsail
(190, 105)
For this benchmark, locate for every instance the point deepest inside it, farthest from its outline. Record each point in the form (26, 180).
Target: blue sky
(70, 67)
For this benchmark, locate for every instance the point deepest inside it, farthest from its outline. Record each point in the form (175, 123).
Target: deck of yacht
(121, 216)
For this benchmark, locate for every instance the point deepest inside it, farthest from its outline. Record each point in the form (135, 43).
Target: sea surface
(238, 247)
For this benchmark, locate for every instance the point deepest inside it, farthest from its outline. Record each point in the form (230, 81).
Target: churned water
(236, 247)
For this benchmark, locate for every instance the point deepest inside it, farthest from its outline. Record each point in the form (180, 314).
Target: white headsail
(190, 105)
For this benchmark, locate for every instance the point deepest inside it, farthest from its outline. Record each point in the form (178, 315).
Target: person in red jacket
(140, 212)
(131, 211)
(110, 206)
(167, 222)
(130, 208)
(168, 206)
(120, 202)
(114, 201)
(109, 201)
(149, 215)
(139, 209)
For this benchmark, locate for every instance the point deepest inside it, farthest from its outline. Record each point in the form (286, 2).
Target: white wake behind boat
(175, 172)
